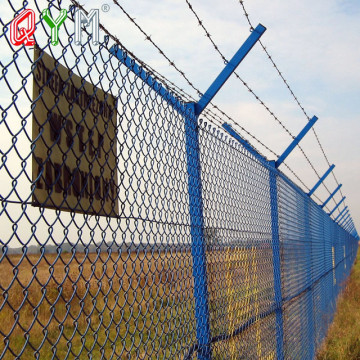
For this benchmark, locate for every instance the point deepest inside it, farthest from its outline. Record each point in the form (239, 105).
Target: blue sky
(316, 46)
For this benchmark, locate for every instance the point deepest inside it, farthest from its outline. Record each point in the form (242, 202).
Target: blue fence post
(323, 281)
(195, 202)
(296, 141)
(344, 217)
(193, 110)
(229, 69)
(331, 168)
(343, 212)
(331, 196)
(310, 300)
(197, 234)
(344, 220)
(276, 260)
(333, 210)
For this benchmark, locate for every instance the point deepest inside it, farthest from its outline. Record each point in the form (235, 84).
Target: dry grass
(136, 305)
(97, 304)
(343, 340)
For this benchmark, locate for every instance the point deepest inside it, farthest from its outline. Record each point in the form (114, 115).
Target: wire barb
(261, 102)
(246, 14)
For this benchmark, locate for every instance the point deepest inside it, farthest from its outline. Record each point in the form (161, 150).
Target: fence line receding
(131, 227)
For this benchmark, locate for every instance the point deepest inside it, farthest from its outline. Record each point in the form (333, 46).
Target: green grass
(343, 340)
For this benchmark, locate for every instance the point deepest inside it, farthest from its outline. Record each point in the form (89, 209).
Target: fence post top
(272, 163)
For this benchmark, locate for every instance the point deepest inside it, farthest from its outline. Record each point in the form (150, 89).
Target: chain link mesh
(97, 250)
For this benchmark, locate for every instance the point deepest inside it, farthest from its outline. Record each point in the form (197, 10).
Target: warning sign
(74, 139)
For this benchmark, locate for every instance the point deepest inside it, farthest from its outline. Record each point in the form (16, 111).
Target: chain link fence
(131, 230)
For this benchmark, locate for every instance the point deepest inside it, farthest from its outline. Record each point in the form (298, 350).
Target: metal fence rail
(130, 228)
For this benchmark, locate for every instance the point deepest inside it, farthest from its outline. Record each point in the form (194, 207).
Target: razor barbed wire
(170, 84)
(148, 38)
(182, 73)
(270, 57)
(216, 47)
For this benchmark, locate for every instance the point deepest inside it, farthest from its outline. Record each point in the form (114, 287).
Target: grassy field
(132, 306)
(127, 305)
(343, 340)
(141, 306)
